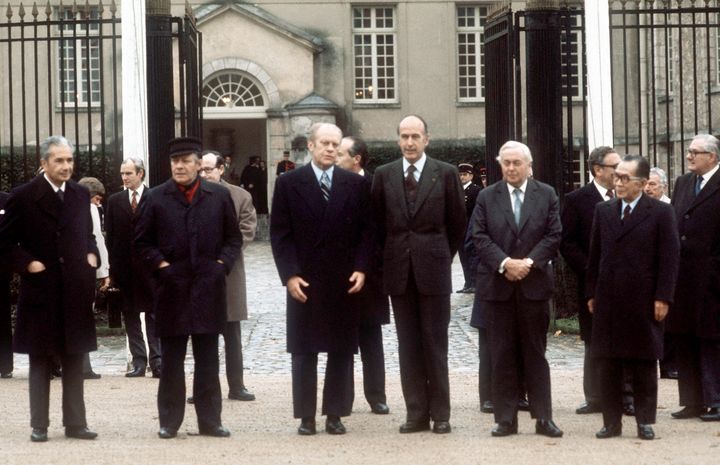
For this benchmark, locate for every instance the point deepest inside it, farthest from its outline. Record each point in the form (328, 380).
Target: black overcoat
(697, 299)
(190, 293)
(324, 243)
(55, 306)
(631, 264)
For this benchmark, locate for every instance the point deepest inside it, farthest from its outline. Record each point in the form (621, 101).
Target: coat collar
(640, 213)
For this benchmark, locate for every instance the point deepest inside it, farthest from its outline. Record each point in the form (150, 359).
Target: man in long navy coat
(188, 234)
(320, 231)
(46, 236)
(631, 275)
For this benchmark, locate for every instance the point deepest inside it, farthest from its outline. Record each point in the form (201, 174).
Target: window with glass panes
(471, 61)
(374, 54)
(79, 57)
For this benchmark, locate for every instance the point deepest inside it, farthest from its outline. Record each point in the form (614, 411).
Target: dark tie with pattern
(61, 195)
(626, 213)
(698, 184)
(325, 186)
(410, 185)
(610, 194)
(133, 203)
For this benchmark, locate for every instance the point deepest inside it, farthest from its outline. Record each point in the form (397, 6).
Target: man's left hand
(358, 277)
(92, 260)
(661, 310)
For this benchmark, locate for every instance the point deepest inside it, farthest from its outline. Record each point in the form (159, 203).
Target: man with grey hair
(657, 184)
(516, 230)
(694, 319)
(46, 236)
(127, 271)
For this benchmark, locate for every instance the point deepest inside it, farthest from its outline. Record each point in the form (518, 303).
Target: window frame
(374, 32)
(478, 31)
(73, 41)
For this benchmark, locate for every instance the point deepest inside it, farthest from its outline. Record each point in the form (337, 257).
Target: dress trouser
(6, 353)
(338, 392)
(422, 328)
(591, 377)
(468, 272)
(644, 388)
(206, 382)
(484, 367)
(233, 355)
(73, 403)
(373, 363)
(136, 341)
(698, 370)
(518, 332)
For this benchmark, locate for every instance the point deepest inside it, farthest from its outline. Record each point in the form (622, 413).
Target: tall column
(134, 75)
(160, 109)
(544, 90)
(597, 39)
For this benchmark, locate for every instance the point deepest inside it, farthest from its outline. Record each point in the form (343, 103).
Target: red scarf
(190, 190)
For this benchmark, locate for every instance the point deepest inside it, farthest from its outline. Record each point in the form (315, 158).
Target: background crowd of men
(346, 243)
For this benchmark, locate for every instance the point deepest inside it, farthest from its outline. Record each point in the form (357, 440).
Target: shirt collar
(419, 165)
(55, 188)
(523, 187)
(465, 186)
(603, 191)
(706, 177)
(361, 172)
(139, 191)
(319, 172)
(632, 204)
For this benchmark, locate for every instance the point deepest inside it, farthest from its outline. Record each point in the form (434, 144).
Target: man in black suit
(631, 275)
(6, 353)
(466, 254)
(516, 229)
(373, 305)
(695, 317)
(46, 236)
(576, 218)
(321, 236)
(419, 205)
(187, 233)
(127, 271)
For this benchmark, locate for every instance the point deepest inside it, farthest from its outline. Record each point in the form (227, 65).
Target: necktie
(610, 194)
(698, 184)
(517, 206)
(410, 185)
(61, 195)
(626, 212)
(133, 202)
(325, 186)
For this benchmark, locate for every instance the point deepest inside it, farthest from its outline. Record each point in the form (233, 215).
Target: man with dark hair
(372, 303)
(187, 233)
(6, 353)
(695, 317)
(46, 236)
(127, 272)
(471, 191)
(576, 218)
(631, 275)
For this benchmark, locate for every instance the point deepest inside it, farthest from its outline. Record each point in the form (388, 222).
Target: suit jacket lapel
(46, 199)
(338, 196)
(501, 190)
(709, 189)
(309, 190)
(638, 215)
(428, 179)
(397, 181)
(528, 205)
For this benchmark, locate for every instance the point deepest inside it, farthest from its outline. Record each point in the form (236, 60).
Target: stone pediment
(312, 102)
(261, 17)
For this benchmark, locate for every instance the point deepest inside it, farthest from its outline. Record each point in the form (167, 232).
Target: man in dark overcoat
(46, 236)
(418, 203)
(372, 304)
(320, 231)
(6, 353)
(695, 317)
(516, 230)
(127, 271)
(631, 275)
(188, 234)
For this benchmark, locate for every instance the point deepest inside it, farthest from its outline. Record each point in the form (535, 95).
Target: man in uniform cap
(471, 191)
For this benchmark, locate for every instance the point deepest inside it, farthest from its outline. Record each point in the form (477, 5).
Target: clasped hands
(516, 269)
(296, 284)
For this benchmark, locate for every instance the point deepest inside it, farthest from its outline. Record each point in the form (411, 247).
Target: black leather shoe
(6, 375)
(167, 433)
(216, 431)
(79, 432)
(137, 372)
(461, 291)
(241, 394)
(441, 427)
(468, 290)
(523, 405)
(56, 372)
(39, 435)
(91, 375)
(645, 432)
(688, 412)
(487, 407)
(609, 431)
(668, 374)
(629, 410)
(586, 408)
(307, 427)
(504, 429)
(333, 425)
(548, 428)
(190, 400)
(380, 408)
(711, 415)
(411, 426)
(156, 372)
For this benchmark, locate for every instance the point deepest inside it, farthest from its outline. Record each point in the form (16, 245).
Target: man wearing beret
(187, 233)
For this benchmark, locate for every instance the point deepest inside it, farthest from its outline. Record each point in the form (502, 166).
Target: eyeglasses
(624, 178)
(208, 170)
(693, 152)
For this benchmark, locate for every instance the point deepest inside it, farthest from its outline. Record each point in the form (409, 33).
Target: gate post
(544, 90)
(160, 83)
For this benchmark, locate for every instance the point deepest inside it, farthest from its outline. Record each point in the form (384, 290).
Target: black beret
(184, 146)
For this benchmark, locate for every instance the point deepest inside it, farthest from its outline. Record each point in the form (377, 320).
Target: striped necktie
(325, 186)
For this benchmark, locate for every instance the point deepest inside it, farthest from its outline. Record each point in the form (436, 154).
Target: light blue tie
(517, 207)
(325, 185)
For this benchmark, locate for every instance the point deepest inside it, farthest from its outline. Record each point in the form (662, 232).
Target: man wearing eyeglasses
(695, 317)
(631, 275)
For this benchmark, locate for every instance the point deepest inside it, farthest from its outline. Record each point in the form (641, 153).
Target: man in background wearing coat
(187, 233)
(418, 203)
(321, 237)
(127, 271)
(6, 353)
(695, 317)
(373, 305)
(213, 167)
(46, 236)
(631, 275)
